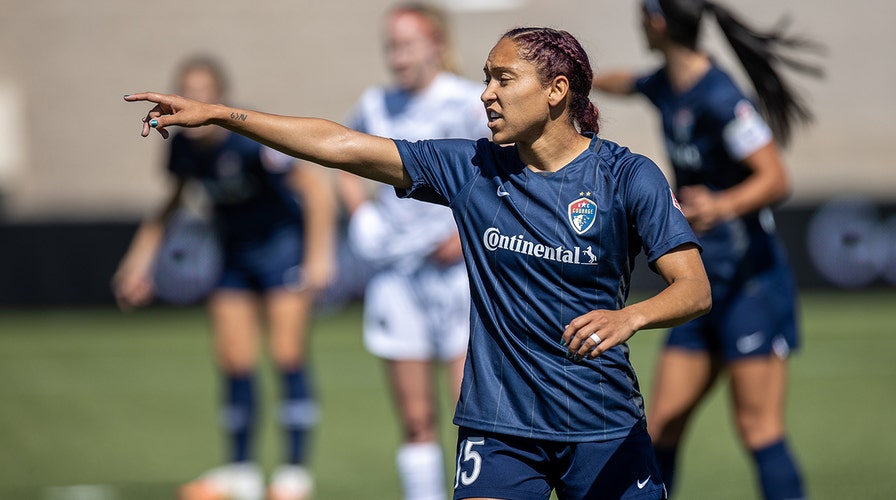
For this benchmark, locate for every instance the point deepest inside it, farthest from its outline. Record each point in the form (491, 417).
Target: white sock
(422, 471)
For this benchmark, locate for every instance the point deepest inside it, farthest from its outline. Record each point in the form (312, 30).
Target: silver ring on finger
(594, 337)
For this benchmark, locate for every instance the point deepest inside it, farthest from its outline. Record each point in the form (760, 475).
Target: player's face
(412, 51)
(200, 85)
(652, 25)
(514, 97)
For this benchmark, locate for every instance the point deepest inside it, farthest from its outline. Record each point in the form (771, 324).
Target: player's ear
(558, 89)
(657, 23)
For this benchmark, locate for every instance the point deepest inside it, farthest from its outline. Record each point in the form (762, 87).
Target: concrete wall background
(70, 149)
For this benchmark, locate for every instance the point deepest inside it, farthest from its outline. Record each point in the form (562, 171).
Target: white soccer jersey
(414, 309)
(403, 232)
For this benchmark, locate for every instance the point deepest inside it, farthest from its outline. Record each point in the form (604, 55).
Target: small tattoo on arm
(238, 116)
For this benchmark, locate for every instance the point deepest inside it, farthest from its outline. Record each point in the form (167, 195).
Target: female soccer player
(417, 304)
(551, 217)
(278, 251)
(729, 173)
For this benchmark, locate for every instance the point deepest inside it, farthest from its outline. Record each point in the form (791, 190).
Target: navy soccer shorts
(265, 264)
(757, 318)
(500, 466)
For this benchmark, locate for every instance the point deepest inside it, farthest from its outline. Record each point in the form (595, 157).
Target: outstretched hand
(171, 110)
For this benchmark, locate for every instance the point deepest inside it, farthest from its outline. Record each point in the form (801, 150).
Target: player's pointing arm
(317, 140)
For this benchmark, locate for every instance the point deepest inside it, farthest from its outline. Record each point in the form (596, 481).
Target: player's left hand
(592, 334)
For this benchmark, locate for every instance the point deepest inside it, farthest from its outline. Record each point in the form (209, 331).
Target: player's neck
(553, 151)
(685, 67)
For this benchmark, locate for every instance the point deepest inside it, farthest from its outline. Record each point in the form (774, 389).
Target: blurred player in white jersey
(416, 311)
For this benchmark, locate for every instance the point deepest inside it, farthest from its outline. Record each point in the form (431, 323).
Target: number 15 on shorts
(469, 462)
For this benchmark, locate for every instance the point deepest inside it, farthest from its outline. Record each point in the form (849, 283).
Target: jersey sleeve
(653, 209)
(649, 85)
(438, 168)
(743, 129)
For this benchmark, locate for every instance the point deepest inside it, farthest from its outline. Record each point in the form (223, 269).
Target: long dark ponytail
(762, 54)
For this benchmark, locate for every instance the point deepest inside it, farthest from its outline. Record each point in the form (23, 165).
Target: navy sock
(778, 473)
(299, 413)
(666, 457)
(238, 415)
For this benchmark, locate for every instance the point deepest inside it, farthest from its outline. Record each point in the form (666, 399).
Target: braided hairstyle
(761, 54)
(555, 53)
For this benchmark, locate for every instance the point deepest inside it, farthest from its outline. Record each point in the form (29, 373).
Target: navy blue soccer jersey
(541, 250)
(245, 181)
(709, 129)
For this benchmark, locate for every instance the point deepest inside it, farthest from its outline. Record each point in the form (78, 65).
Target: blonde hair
(441, 30)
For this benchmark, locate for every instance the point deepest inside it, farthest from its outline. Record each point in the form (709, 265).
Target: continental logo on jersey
(582, 214)
(494, 240)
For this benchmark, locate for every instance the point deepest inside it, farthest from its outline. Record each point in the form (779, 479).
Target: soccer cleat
(290, 482)
(237, 481)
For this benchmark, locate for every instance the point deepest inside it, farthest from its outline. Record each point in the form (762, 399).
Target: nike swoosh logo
(502, 192)
(642, 484)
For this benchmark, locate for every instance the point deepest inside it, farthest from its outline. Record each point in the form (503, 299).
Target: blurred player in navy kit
(276, 228)
(551, 218)
(417, 304)
(729, 174)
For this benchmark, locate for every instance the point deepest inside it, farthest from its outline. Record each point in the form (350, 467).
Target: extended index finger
(145, 96)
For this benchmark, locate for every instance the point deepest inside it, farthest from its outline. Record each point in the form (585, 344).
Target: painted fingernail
(153, 123)
(577, 358)
(562, 341)
(126, 96)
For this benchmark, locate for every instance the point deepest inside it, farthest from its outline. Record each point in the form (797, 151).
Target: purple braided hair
(556, 52)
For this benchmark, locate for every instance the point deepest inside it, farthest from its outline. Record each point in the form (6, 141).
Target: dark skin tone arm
(686, 297)
(615, 82)
(316, 140)
(332, 145)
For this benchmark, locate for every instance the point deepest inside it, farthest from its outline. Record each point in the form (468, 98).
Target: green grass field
(100, 405)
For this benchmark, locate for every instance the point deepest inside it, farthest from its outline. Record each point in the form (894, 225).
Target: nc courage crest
(582, 214)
